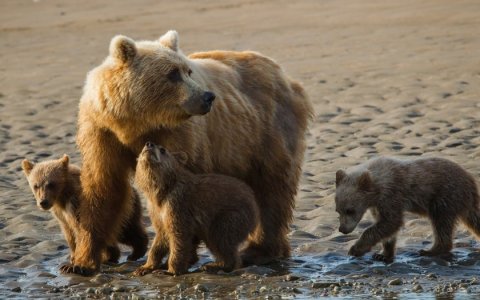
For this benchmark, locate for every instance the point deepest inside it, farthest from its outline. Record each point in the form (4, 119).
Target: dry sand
(386, 77)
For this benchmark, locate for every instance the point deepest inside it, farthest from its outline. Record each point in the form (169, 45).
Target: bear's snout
(208, 97)
(45, 204)
(149, 145)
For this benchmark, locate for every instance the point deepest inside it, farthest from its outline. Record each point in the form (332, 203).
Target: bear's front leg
(155, 256)
(382, 230)
(180, 253)
(105, 192)
(87, 258)
(388, 252)
(359, 249)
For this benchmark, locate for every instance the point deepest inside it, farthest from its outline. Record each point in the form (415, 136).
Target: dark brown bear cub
(433, 187)
(186, 208)
(56, 187)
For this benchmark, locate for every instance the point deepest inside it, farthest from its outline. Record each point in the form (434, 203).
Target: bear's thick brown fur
(233, 113)
(187, 208)
(56, 187)
(437, 188)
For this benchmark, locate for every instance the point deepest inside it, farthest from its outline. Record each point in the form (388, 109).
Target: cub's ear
(181, 157)
(170, 40)
(339, 176)
(365, 182)
(65, 160)
(123, 48)
(27, 166)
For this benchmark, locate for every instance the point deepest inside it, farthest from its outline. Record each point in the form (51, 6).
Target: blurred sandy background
(386, 78)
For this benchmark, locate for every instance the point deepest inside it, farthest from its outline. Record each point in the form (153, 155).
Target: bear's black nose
(44, 203)
(208, 97)
(149, 145)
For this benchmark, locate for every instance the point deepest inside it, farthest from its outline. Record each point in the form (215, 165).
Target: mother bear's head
(150, 82)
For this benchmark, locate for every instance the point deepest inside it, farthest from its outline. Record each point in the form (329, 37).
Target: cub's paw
(447, 255)
(175, 272)
(383, 258)
(73, 269)
(142, 271)
(358, 251)
(211, 268)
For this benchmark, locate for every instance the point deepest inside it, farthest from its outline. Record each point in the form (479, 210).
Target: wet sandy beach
(398, 78)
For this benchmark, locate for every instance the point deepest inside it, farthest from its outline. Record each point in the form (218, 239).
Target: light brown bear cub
(186, 208)
(56, 187)
(433, 187)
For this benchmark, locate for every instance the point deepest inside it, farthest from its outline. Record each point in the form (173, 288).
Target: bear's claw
(383, 258)
(142, 271)
(72, 269)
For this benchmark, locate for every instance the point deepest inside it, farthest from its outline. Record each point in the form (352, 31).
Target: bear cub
(56, 187)
(187, 208)
(433, 187)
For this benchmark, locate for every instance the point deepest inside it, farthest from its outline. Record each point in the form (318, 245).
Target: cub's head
(353, 196)
(149, 82)
(163, 164)
(47, 180)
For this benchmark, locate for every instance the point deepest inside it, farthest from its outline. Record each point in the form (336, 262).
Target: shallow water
(307, 274)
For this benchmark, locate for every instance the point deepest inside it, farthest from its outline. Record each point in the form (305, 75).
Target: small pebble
(417, 288)
(291, 277)
(200, 288)
(431, 276)
(297, 291)
(17, 289)
(181, 286)
(104, 291)
(396, 281)
(319, 285)
(263, 289)
(118, 288)
(136, 297)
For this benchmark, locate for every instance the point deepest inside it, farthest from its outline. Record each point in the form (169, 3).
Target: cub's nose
(44, 204)
(149, 145)
(208, 97)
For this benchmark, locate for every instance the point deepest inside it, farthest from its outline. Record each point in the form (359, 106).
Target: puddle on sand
(304, 276)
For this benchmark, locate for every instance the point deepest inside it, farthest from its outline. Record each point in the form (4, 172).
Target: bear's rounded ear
(181, 157)
(170, 40)
(65, 160)
(365, 182)
(27, 166)
(123, 48)
(339, 176)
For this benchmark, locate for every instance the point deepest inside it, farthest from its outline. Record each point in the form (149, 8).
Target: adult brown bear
(233, 113)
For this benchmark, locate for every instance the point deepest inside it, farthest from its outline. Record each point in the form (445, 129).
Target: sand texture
(397, 78)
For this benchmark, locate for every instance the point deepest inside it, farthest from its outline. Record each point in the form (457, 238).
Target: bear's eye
(174, 75)
(50, 185)
(35, 186)
(350, 211)
(189, 72)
